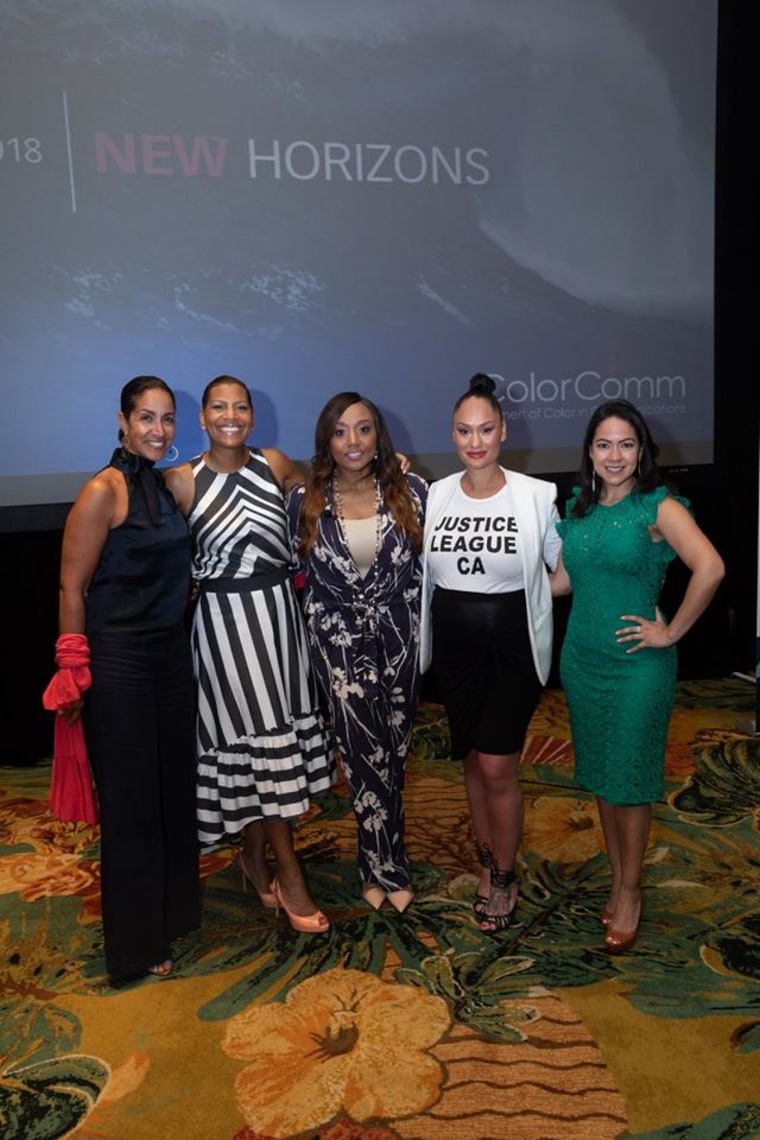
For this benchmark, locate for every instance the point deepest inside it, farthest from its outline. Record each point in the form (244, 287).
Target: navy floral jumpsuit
(364, 636)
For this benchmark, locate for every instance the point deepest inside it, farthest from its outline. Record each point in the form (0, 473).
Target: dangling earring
(593, 482)
(169, 456)
(638, 468)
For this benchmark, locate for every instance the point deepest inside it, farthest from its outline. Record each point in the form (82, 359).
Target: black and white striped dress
(262, 748)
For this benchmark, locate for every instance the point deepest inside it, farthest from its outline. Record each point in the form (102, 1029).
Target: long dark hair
(134, 388)
(386, 468)
(648, 475)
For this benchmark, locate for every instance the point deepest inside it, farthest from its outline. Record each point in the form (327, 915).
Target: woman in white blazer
(487, 629)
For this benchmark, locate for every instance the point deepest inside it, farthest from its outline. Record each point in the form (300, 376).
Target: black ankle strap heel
(501, 881)
(480, 902)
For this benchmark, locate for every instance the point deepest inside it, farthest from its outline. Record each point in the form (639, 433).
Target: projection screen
(318, 195)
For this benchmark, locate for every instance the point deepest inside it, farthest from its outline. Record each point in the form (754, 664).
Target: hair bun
(482, 382)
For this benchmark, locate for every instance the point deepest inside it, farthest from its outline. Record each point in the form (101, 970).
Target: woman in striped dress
(262, 750)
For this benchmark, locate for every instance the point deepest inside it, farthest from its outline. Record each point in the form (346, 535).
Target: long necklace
(338, 500)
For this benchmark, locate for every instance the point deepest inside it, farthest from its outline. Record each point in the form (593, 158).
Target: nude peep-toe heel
(317, 923)
(266, 898)
(618, 941)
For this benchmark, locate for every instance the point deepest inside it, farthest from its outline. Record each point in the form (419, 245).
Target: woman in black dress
(125, 576)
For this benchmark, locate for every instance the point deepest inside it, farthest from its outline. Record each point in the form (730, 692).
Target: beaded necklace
(338, 501)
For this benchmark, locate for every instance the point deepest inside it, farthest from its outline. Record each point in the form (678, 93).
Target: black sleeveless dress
(139, 721)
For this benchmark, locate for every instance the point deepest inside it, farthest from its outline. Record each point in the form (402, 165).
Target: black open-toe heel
(501, 881)
(480, 902)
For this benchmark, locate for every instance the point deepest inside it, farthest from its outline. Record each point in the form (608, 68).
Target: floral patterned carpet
(414, 1025)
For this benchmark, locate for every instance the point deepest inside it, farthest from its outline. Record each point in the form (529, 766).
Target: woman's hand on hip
(645, 633)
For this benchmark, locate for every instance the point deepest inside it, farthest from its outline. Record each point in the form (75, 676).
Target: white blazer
(536, 511)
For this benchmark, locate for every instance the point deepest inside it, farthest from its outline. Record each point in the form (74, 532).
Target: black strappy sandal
(501, 881)
(480, 902)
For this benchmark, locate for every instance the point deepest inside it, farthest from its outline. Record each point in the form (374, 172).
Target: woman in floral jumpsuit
(356, 527)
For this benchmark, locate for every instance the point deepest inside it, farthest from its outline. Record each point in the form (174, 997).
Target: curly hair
(648, 476)
(397, 497)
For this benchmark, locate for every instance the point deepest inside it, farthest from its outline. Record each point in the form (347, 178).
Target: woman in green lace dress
(618, 662)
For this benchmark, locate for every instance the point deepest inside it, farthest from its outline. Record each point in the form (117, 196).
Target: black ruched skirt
(483, 667)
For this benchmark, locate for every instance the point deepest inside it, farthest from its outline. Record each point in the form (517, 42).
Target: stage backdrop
(354, 194)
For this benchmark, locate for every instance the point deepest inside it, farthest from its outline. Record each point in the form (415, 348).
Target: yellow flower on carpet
(565, 827)
(332, 1046)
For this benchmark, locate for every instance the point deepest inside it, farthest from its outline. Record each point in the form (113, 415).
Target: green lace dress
(619, 703)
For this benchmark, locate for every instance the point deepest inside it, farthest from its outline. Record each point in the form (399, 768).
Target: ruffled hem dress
(262, 749)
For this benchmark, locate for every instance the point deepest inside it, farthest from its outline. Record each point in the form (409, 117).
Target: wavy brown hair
(648, 474)
(397, 497)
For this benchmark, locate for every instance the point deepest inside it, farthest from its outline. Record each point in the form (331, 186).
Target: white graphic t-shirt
(476, 545)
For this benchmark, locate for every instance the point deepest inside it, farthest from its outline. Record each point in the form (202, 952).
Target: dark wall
(30, 576)
(733, 489)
